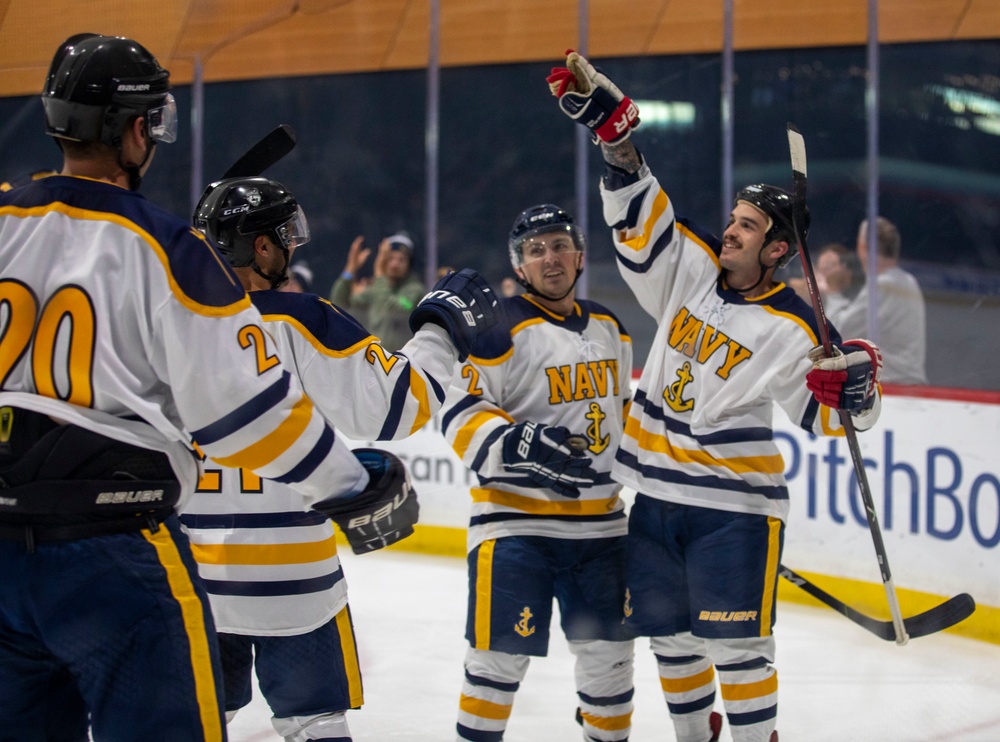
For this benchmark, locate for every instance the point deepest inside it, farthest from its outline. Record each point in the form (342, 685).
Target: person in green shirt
(387, 299)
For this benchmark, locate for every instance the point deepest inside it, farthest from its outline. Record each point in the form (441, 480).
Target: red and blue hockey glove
(381, 515)
(549, 456)
(588, 97)
(849, 379)
(463, 304)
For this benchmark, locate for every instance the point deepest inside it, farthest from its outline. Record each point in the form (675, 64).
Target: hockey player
(124, 336)
(273, 575)
(707, 526)
(538, 413)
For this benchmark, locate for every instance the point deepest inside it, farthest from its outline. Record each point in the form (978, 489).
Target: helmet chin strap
(278, 278)
(134, 172)
(527, 285)
(763, 272)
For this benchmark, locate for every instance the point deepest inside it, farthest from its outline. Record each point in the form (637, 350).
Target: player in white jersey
(706, 529)
(123, 335)
(272, 572)
(538, 413)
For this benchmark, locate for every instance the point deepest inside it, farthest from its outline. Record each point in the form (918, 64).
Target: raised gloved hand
(849, 379)
(381, 515)
(463, 304)
(549, 456)
(588, 97)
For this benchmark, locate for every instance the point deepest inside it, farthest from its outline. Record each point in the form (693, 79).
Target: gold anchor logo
(521, 627)
(673, 394)
(596, 416)
(627, 608)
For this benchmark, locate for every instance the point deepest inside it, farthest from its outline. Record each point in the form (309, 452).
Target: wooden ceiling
(247, 39)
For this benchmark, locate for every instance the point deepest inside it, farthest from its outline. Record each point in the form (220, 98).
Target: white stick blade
(797, 148)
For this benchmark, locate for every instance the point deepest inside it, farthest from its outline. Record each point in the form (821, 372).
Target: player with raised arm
(122, 337)
(707, 526)
(272, 572)
(537, 414)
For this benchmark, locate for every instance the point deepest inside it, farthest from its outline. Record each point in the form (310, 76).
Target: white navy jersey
(270, 567)
(536, 366)
(700, 427)
(118, 316)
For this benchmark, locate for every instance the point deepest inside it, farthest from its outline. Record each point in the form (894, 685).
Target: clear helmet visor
(162, 121)
(561, 241)
(294, 232)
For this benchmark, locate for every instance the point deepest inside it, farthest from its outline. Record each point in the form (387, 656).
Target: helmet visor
(294, 232)
(162, 121)
(560, 240)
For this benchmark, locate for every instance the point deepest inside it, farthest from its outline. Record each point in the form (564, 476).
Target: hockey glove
(849, 379)
(588, 97)
(463, 304)
(549, 456)
(381, 515)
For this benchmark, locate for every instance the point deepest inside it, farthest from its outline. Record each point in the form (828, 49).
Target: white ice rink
(837, 682)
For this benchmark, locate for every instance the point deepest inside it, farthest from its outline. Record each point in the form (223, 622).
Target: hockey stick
(265, 153)
(931, 621)
(936, 617)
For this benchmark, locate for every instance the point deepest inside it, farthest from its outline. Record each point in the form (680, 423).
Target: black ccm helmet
(537, 220)
(234, 211)
(778, 206)
(96, 84)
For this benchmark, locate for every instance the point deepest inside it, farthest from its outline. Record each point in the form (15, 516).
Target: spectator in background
(392, 293)
(839, 278)
(509, 287)
(300, 279)
(902, 319)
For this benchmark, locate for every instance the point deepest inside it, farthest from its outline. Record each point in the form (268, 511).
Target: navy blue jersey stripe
(271, 588)
(308, 465)
(397, 404)
(707, 482)
(245, 414)
(293, 519)
(477, 520)
(736, 435)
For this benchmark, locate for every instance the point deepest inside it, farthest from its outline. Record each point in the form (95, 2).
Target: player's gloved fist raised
(549, 456)
(588, 97)
(463, 304)
(381, 515)
(849, 379)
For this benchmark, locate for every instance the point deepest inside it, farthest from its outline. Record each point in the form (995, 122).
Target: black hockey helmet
(541, 219)
(96, 84)
(234, 211)
(778, 205)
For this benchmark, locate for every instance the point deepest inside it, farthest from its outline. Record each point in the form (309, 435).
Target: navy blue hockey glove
(463, 304)
(381, 515)
(588, 97)
(549, 456)
(849, 379)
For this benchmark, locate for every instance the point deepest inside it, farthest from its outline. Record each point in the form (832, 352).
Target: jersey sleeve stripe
(737, 435)
(465, 434)
(397, 403)
(275, 443)
(314, 458)
(419, 390)
(245, 414)
(641, 241)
